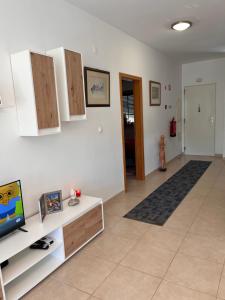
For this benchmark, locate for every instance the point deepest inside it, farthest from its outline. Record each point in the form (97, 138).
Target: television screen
(11, 208)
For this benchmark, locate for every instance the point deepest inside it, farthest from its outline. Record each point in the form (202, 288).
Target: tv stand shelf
(71, 229)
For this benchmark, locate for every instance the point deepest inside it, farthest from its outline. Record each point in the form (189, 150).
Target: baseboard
(149, 174)
(176, 157)
(169, 162)
(116, 195)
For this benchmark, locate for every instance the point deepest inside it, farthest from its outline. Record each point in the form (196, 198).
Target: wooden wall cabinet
(81, 230)
(36, 94)
(70, 84)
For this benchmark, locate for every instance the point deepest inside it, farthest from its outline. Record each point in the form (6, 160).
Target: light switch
(94, 49)
(100, 129)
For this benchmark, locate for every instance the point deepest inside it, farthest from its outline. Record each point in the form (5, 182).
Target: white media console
(71, 229)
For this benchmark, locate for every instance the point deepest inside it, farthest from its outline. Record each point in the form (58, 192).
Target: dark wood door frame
(139, 132)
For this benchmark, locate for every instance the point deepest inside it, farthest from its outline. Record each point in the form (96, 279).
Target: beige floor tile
(215, 194)
(214, 212)
(206, 184)
(190, 205)
(213, 205)
(207, 248)
(210, 227)
(152, 260)
(200, 191)
(121, 207)
(160, 237)
(110, 247)
(84, 272)
(207, 179)
(195, 273)
(127, 196)
(55, 290)
(142, 190)
(124, 283)
(220, 185)
(111, 220)
(180, 222)
(221, 292)
(170, 291)
(130, 229)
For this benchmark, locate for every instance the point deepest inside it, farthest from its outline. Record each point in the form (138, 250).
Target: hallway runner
(159, 205)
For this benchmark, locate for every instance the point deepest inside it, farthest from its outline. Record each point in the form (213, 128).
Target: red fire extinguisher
(173, 128)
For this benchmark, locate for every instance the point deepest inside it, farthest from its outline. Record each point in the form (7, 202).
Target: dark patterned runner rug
(159, 205)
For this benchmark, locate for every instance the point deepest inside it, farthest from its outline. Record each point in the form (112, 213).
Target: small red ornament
(78, 193)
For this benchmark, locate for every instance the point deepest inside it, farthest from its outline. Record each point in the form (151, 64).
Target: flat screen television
(11, 208)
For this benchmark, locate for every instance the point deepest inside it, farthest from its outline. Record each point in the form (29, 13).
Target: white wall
(212, 71)
(79, 155)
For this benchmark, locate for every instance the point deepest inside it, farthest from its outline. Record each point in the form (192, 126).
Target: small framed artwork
(155, 93)
(42, 209)
(53, 202)
(97, 87)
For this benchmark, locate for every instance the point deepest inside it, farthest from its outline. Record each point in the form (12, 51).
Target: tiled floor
(183, 260)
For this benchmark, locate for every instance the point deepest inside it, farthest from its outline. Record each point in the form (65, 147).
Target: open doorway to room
(132, 127)
(129, 130)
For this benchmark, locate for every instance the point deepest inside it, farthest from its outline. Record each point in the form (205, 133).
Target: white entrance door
(200, 102)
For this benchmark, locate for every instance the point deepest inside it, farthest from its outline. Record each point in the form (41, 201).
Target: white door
(200, 102)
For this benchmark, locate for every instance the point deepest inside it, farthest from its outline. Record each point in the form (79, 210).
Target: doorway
(132, 127)
(200, 112)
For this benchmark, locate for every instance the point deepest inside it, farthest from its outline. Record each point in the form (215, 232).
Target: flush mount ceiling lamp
(181, 25)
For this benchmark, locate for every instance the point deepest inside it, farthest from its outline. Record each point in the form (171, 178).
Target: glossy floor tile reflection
(182, 260)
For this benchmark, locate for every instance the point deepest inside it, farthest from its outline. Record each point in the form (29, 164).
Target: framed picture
(155, 93)
(97, 87)
(42, 209)
(53, 202)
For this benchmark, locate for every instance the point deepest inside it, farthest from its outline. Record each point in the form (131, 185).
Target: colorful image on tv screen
(11, 207)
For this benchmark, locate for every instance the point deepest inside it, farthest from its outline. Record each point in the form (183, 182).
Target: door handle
(211, 119)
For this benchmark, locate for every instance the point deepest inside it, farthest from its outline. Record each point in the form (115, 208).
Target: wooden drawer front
(75, 83)
(1, 294)
(45, 91)
(82, 229)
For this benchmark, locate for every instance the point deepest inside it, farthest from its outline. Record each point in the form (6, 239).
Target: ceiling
(149, 21)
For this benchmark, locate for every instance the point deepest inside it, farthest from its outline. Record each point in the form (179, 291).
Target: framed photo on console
(53, 202)
(155, 93)
(97, 87)
(50, 203)
(42, 209)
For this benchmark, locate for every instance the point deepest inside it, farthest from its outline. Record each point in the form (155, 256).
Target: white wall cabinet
(36, 94)
(70, 84)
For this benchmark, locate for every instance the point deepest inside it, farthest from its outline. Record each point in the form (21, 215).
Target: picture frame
(154, 93)
(53, 202)
(97, 87)
(42, 209)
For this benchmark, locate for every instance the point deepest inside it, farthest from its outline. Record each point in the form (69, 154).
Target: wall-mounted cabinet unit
(36, 94)
(70, 84)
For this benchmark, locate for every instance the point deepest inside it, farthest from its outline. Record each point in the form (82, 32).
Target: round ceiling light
(181, 25)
